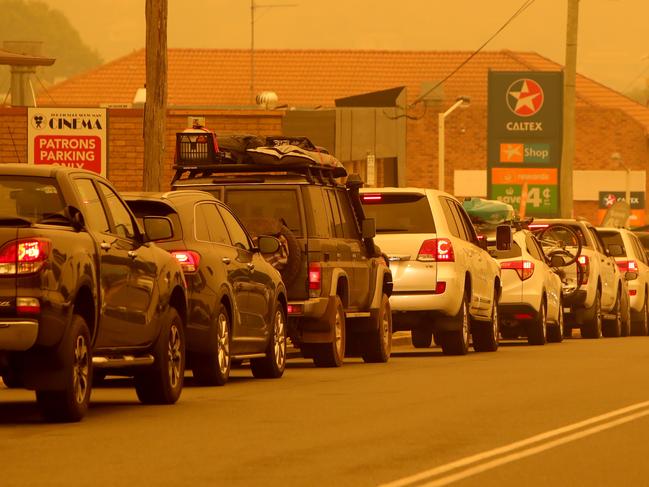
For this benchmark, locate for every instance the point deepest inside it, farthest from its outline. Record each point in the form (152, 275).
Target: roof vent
(267, 99)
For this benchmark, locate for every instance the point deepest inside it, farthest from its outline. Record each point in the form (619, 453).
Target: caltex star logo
(611, 199)
(525, 97)
(511, 153)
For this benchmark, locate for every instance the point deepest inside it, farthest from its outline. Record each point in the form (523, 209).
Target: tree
(23, 20)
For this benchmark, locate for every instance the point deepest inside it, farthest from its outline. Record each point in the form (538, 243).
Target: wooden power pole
(569, 88)
(155, 108)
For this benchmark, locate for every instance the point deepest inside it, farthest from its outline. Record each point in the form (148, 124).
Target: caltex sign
(73, 137)
(524, 140)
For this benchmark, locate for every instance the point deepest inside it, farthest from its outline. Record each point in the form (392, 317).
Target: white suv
(600, 306)
(630, 256)
(445, 282)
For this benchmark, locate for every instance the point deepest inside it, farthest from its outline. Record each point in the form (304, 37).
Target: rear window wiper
(54, 219)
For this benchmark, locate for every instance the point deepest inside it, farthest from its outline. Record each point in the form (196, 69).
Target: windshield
(399, 213)
(36, 199)
(258, 208)
(612, 238)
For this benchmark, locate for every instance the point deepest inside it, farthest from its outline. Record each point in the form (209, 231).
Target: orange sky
(613, 40)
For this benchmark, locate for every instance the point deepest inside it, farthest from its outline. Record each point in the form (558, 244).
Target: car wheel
(556, 331)
(379, 344)
(162, 382)
(485, 335)
(71, 403)
(613, 328)
(213, 369)
(12, 378)
(537, 329)
(421, 337)
(273, 364)
(456, 342)
(332, 354)
(639, 327)
(592, 326)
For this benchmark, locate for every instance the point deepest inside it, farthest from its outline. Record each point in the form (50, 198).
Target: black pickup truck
(82, 290)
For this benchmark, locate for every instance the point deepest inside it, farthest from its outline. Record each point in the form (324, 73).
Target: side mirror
(503, 237)
(557, 261)
(615, 250)
(482, 242)
(368, 228)
(267, 244)
(158, 228)
(630, 276)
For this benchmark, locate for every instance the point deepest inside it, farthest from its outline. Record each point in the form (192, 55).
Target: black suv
(237, 301)
(338, 283)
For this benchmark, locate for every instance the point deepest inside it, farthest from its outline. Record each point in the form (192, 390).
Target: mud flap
(320, 330)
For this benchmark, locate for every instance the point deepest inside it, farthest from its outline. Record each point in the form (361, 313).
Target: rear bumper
(446, 303)
(18, 335)
(511, 310)
(578, 299)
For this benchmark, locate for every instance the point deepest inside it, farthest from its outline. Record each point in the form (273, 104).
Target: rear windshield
(254, 206)
(514, 251)
(142, 208)
(399, 212)
(612, 238)
(644, 239)
(559, 234)
(37, 199)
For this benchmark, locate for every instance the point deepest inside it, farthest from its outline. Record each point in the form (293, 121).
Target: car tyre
(162, 382)
(537, 329)
(273, 364)
(213, 369)
(485, 335)
(456, 342)
(639, 327)
(379, 344)
(556, 331)
(71, 403)
(421, 337)
(592, 327)
(332, 354)
(613, 328)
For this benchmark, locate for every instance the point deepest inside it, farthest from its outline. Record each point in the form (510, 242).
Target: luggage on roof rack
(200, 154)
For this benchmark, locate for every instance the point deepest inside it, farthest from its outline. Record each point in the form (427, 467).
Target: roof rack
(198, 154)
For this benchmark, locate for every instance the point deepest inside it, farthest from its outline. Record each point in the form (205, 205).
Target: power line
(519, 11)
(40, 82)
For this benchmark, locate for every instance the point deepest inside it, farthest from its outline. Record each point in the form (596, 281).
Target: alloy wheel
(338, 332)
(174, 355)
(223, 344)
(80, 369)
(279, 339)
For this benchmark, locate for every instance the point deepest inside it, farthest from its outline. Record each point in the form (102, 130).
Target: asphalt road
(575, 413)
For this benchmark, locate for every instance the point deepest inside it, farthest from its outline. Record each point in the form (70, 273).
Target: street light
(461, 101)
(616, 156)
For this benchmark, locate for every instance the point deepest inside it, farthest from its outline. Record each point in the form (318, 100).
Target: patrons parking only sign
(72, 137)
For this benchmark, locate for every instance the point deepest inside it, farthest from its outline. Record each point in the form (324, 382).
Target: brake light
(536, 226)
(584, 263)
(315, 276)
(24, 256)
(524, 268)
(627, 266)
(188, 260)
(436, 250)
(372, 197)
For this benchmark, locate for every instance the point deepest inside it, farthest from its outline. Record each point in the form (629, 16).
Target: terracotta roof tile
(309, 78)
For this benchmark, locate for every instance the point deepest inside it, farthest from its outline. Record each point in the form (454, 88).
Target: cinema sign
(73, 137)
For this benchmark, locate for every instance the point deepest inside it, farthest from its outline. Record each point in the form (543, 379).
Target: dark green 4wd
(338, 283)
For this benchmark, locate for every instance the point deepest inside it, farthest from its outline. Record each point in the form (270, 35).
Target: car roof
(42, 170)
(409, 189)
(176, 196)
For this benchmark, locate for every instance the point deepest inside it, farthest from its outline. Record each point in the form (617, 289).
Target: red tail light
(584, 263)
(188, 259)
(524, 268)
(436, 250)
(28, 305)
(627, 266)
(24, 256)
(315, 276)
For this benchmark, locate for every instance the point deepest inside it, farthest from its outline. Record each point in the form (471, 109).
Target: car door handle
(226, 260)
(251, 266)
(132, 254)
(105, 245)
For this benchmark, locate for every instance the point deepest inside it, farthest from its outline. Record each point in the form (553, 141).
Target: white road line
(533, 450)
(464, 462)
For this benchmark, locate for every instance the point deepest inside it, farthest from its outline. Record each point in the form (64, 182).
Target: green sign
(524, 130)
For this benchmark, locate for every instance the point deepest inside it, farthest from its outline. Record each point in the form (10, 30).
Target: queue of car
(259, 245)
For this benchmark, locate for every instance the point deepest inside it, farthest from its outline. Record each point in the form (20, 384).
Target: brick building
(216, 83)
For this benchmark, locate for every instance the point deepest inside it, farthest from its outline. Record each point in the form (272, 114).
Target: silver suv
(446, 284)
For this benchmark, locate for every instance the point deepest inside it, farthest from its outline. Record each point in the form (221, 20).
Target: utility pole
(253, 10)
(569, 95)
(155, 107)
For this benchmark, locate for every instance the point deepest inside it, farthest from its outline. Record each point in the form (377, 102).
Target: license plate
(567, 310)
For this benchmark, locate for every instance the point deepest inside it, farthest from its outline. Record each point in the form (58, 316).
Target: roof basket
(199, 154)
